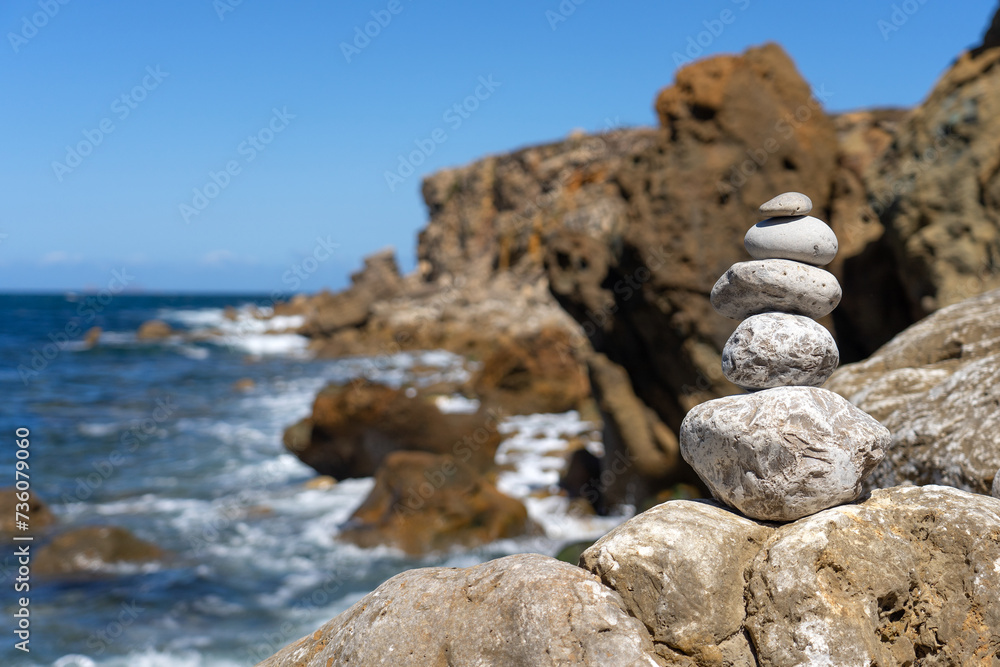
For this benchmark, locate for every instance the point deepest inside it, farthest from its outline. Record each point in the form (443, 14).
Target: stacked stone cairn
(788, 449)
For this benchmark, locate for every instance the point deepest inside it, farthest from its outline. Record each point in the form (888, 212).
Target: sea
(179, 441)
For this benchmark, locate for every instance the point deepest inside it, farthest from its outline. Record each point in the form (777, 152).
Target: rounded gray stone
(801, 238)
(995, 491)
(784, 453)
(788, 203)
(749, 288)
(779, 350)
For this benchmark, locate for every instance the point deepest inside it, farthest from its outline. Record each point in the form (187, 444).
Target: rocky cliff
(611, 238)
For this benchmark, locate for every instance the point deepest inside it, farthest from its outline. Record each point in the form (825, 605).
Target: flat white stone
(784, 453)
(799, 238)
(788, 203)
(779, 350)
(749, 288)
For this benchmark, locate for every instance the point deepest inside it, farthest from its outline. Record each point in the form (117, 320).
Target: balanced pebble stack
(789, 449)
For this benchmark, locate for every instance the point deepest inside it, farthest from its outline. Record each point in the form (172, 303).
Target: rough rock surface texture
(751, 288)
(691, 599)
(778, 350)
(519, 610)
(937, 188)
(781, 454)
(936, 386)
(425, 502)
(908, 576)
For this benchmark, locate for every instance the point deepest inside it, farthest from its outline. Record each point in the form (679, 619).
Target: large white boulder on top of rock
(779, 350)
(680, 568)
(800, 238)
(750, 288)
(782, 454)
(786, 204)
(519, 610)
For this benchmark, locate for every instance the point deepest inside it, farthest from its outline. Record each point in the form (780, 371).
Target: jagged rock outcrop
(937, 188)
(619, 227)
(92, 550)
(328, 313)
(936, 386)
(533, 374)
(520, 610)
(428, 502)
(354, 427)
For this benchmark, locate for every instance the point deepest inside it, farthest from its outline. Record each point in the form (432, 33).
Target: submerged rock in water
(154, 330)
(523, 610)
(92, 550)
(354, 427)
(425, 502)
(38, 513)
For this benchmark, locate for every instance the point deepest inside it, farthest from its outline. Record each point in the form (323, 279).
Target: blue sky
(213, 145)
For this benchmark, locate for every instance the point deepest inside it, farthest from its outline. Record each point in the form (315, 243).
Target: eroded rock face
(533, 374)
(354, 427)
(936, 386)
(520, 610)
(689, 597)
(783, 453)
(910, 573)
(778, 350)
(426, 502)
(937, 187)
(751, 288)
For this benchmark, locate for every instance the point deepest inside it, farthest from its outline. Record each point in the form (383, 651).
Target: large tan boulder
(907, 577)
(527, 610)
(936, 387)
(92, 550)
(354, 427)
(425, 502)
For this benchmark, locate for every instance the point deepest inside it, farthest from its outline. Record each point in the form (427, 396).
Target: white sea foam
(456, 404)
